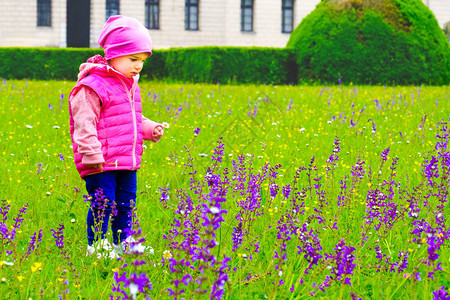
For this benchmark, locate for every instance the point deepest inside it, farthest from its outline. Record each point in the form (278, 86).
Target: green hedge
(199, 64)
(43, 63)
(232, 65)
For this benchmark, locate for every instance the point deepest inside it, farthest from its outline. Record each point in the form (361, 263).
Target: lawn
(254, 192)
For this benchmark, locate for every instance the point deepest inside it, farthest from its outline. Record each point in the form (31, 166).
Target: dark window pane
(152, 14)
(287, 16)
(246, 15)
(112, 8)
(191, 15)
(44, 13)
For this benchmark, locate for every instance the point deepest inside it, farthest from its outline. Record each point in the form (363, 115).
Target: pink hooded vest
(119, 128)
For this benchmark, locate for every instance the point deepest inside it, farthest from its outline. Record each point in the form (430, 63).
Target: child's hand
(97, 166)
(158, 133)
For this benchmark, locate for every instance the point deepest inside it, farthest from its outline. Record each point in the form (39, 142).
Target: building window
(287, 16)
(191, 15)
(44, 13)
(112, 8)
(246, 15)
(152, 14)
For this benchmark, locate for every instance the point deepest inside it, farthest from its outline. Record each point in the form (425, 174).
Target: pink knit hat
(124, 36)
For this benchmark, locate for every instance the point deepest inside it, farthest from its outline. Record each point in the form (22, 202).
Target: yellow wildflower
(36, 267)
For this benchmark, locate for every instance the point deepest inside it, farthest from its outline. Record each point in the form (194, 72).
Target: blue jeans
(119, 189)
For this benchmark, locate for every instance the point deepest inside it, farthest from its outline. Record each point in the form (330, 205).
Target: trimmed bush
(199, 64)
(371, 42)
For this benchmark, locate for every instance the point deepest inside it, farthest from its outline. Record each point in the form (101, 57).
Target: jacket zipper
(133, 111)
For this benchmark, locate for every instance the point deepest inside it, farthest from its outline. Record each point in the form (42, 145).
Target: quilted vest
(119, 127)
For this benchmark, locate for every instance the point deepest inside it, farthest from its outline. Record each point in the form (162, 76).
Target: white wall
(18, 24)
(219, 22)
(172, 32)
(440, 9)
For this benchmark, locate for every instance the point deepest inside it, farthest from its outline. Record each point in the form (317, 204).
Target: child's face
(129, 65)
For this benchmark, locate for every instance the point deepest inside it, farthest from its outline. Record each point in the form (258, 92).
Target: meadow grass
(279, 192)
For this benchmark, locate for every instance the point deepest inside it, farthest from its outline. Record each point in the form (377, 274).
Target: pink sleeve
(85, 106)
(148, 126)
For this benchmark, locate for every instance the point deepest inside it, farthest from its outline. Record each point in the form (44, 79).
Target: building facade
(172, 23)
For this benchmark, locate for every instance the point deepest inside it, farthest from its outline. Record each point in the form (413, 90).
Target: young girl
(107, 126)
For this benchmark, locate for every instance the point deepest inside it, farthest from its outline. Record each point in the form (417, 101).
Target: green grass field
(365, 221)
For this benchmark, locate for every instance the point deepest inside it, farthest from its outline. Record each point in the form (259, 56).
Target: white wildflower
(214, 210)
(133, 290)
(167, 254)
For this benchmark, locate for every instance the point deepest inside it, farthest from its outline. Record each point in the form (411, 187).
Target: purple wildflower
(164, 194)
(59, 236)
(358, 171)
(334, 158)
(342, 261)
(237, 236)
(135, 283)
(34, 242)
(274, 188)
(287, 191)
(310, 246)
(290, 105)
(4, 209)
(218, 152)
(441, 294)
(341, 198)
(39, 168)
(385, 153)
(18, 221)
